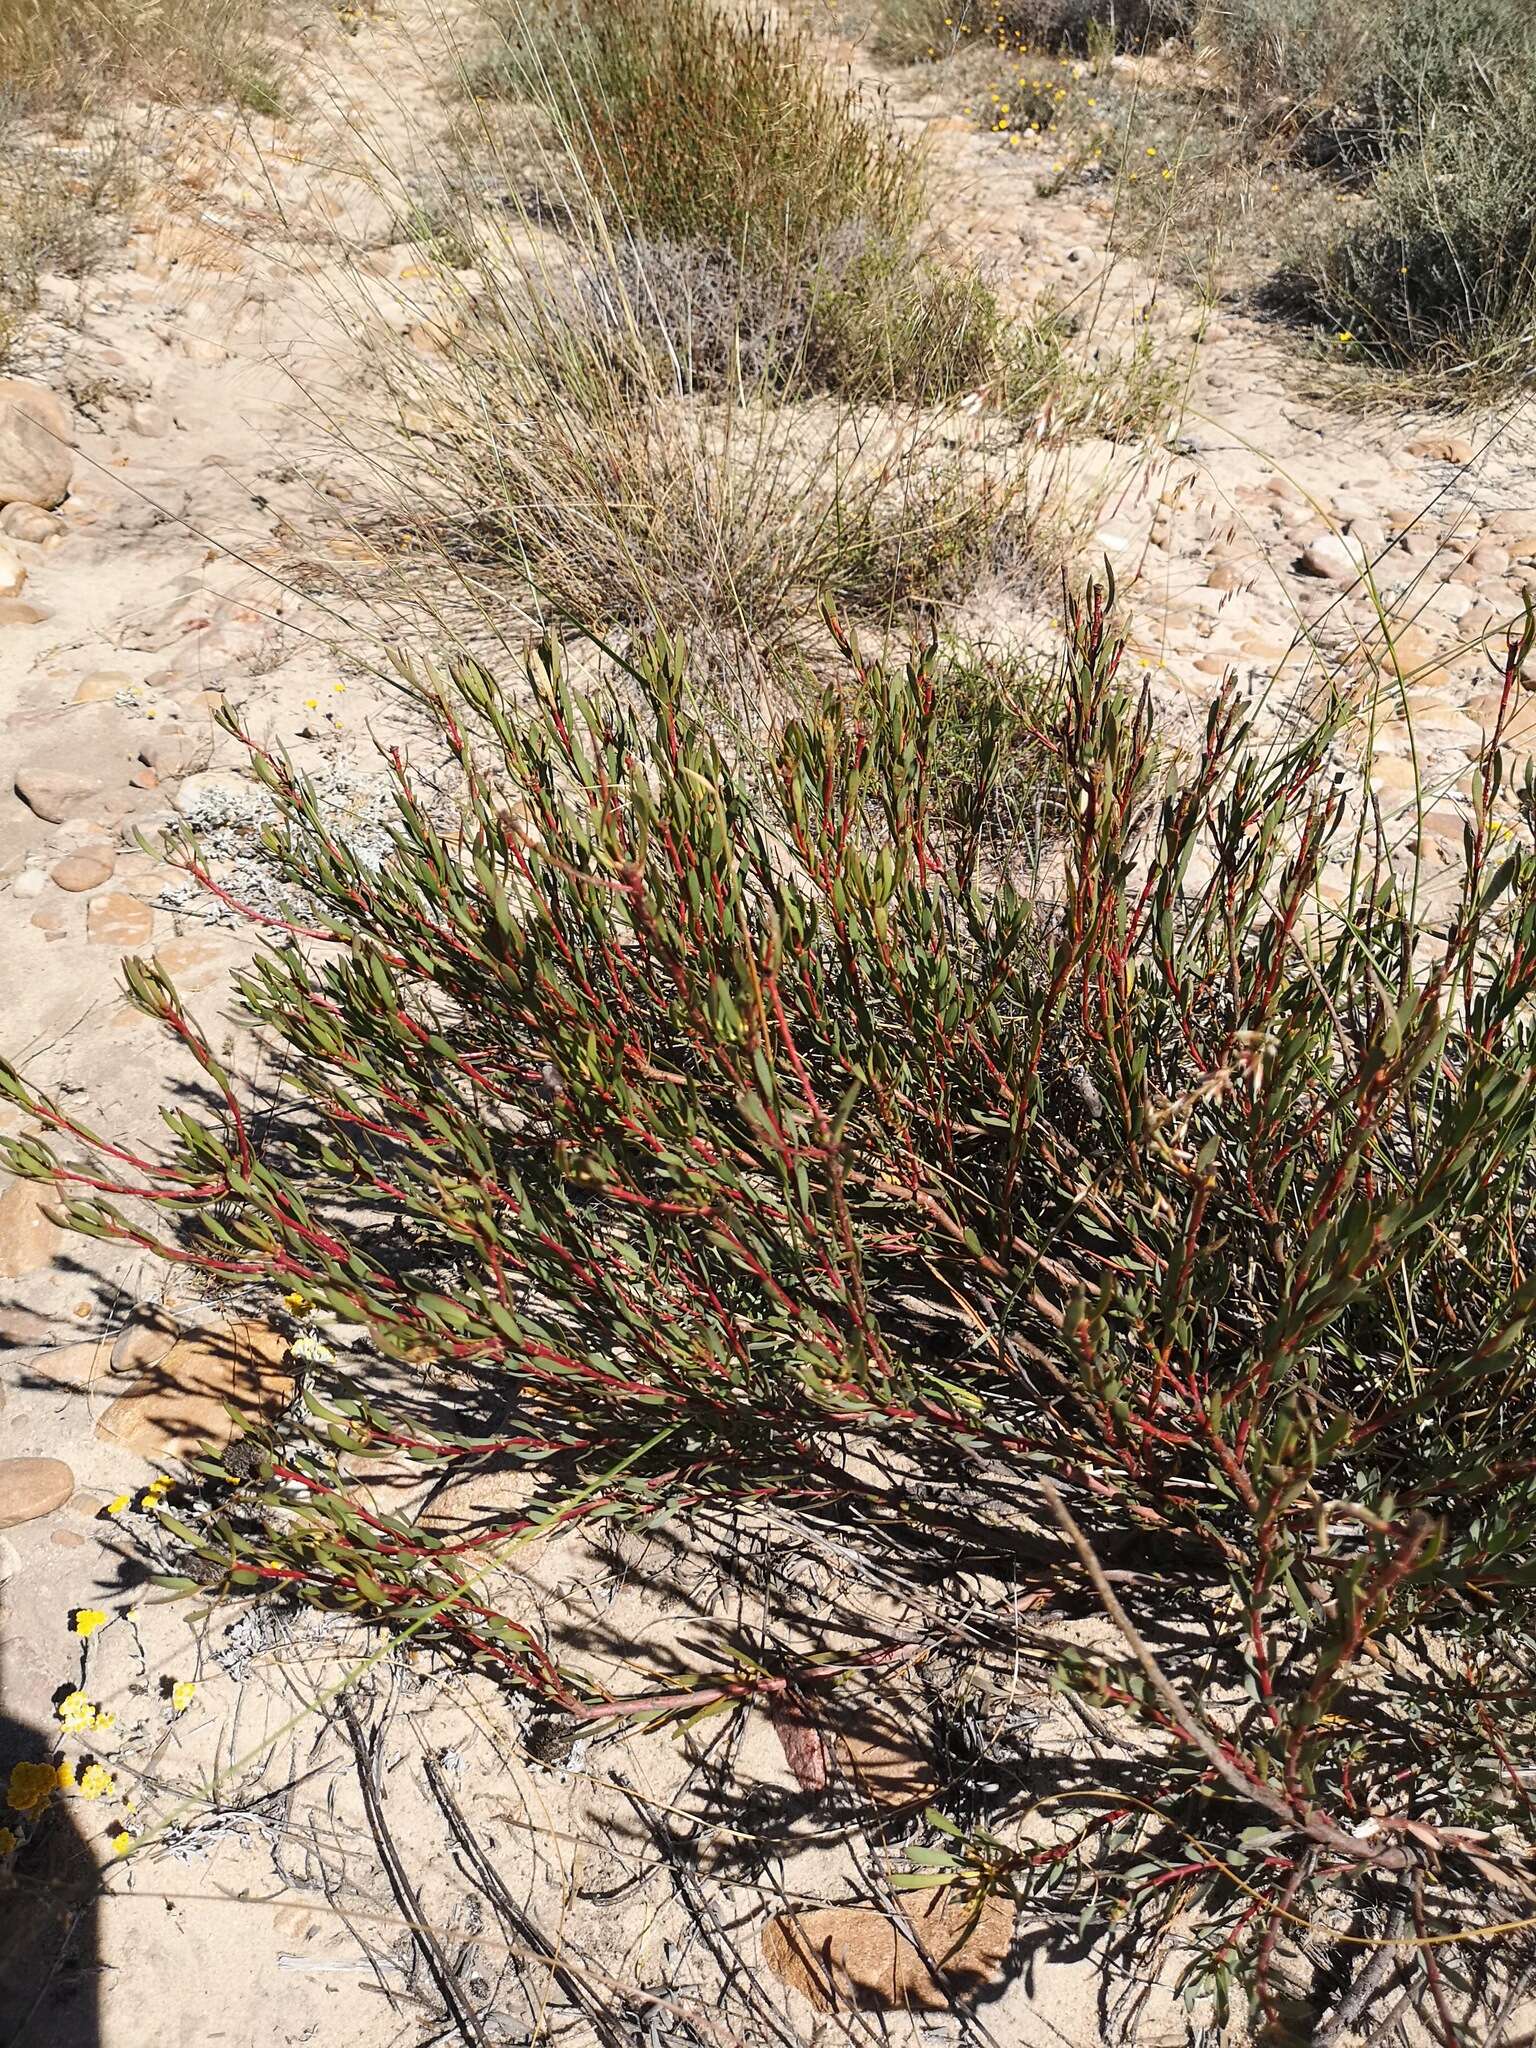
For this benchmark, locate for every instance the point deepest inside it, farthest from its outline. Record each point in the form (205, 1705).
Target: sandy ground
(213, 545)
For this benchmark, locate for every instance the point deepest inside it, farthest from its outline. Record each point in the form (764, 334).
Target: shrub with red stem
(688, 1128)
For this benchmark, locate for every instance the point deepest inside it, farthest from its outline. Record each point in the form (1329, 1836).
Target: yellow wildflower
(121, 1505)
(182, 1694)
(31, 1787)
(7, 1842)
(89, 1619)
(122, 1841)
(65, 1774)
(76, 1711)
(95, 1781)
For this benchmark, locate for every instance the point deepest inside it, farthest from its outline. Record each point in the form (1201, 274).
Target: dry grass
(58, 204)
(572, 475)
(54, 51)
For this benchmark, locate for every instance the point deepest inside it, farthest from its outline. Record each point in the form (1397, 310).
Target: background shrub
(1431, 112)
(912, 31)
(699, 125)
(724, 158)
(1438, 271)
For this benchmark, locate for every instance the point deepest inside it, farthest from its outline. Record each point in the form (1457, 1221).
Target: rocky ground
(183, 528)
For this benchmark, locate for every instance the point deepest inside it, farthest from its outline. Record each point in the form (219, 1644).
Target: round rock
(31, 1488)
(36, 456)
(30, 522)
(80, 872)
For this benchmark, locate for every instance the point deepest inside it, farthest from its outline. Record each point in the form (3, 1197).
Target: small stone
(183, 1400)
(102, 686)
(176, 751)
(28, 1237)
(1258, 649)
(214, 786)
(1392, 773)
(182, 957)
(150, 420)
(31, 523)
(1331, 556)
(1437, 447)
(22, 1328)
(56, 796)
(13, 575)
(31, 1488)
(37, 457)
(167, 626)
(80, 872)
(76, 1365)
(119, 920)
(147, 1339)
(852, 1956)
(21, 611)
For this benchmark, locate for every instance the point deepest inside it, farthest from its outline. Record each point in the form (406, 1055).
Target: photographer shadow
(49, 1966)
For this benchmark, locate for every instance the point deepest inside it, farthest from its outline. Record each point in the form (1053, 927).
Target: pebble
(76, 1365)
(31, 1488)
(28, 1237)
(1392, 772)
(119, 920)
(20, 611)
(101, 686)
(37, 457)
(30, 523)
(22, 1328)
(1331, 556)
(174, 751)
(80, 872)
(212, 786)
(55, 796)
(1437, 447)
(193, 1384)
(146, 1340)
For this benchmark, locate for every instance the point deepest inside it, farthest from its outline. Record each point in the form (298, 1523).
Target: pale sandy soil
(212, 544)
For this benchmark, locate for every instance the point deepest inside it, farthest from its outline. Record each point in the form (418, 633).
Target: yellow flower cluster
(79, 1715)
(183, 1692)
(150, 1499)
(88, 1620)
(31, 1787)
(95, 1781)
